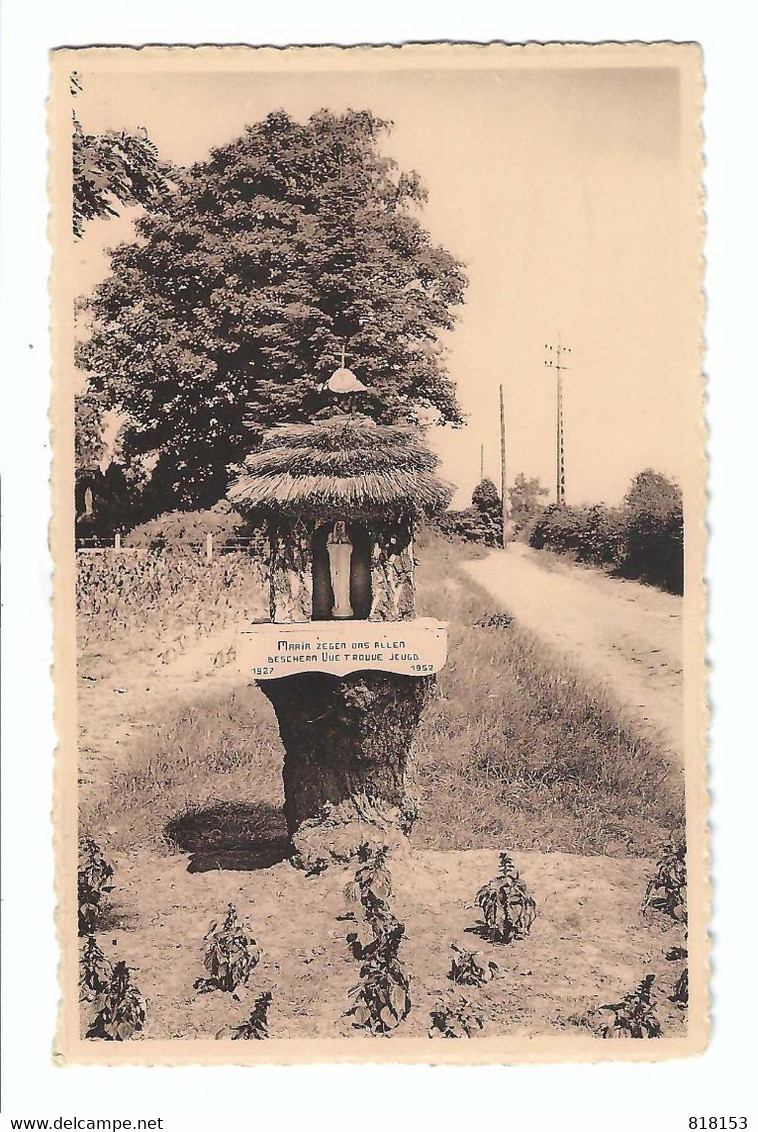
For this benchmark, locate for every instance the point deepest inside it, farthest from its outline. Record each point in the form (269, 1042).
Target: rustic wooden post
(117, 541)
(209, 547)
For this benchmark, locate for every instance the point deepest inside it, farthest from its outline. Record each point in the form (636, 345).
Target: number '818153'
(718, 1122)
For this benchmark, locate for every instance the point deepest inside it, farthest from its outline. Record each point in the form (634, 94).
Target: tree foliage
(111, 169)
(481, 522)
(644, 538)
(236, 299)
(655, 530)
(89, 446)
(525, 499)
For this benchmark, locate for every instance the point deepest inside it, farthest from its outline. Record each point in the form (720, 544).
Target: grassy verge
(520, 749)
(513, 750)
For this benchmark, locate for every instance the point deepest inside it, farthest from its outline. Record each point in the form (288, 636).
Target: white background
(618, 1097)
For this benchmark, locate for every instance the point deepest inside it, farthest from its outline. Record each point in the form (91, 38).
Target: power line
(554, 361)
(503, 482)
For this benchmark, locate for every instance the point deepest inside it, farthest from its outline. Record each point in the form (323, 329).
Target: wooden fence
(212, 546)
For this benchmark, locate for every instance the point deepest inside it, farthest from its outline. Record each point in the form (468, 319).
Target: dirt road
(626, 635)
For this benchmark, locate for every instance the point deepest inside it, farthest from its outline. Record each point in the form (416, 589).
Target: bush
(644, 538)
(189, 528)
(481, 522)
(117, 594)
(92, 881)
(469, 525)
(655, 531)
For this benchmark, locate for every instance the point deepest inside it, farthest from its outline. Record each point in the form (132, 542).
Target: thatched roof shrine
(346, 466)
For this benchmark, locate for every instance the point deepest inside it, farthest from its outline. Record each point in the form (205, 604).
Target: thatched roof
(347, 466)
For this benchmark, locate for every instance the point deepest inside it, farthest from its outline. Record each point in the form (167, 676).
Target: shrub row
(643, 538)
(481, 522)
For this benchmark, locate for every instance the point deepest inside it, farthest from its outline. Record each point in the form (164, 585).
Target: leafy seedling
(633, 1017)
(471, 968)
(386, 931)
(255, 1028)
(120, 1009)
(95, 971)
(230, 955)
(681, 995)
(92, 880)
(455, 1018)
(382, 998)
(372, 878)
(499, 620)
(667, 888)
(509, 910)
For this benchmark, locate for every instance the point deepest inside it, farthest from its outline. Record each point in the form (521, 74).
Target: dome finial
(343, 380)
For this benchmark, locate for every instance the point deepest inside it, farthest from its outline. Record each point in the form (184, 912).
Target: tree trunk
(346, 744)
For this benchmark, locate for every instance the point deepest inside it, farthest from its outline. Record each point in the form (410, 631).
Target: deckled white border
(719, 1083)
(490, 1049)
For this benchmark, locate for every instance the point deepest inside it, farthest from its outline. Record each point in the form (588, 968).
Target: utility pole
(554, 361)
(481, 465)
(503, 482)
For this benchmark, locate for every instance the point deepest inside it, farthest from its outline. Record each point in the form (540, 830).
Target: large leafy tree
(234, 303)
(113, 170)
(526, 499)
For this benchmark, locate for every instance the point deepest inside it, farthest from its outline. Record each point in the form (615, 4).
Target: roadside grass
(514, 750)
(519, 747)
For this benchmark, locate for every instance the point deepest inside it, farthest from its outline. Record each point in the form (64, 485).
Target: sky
(567, 192)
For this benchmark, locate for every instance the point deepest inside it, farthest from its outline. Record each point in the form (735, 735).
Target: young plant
(681, 995)
(120, 1009)
(95, 971)
(498, 620)
(633, 1017)
(372, 875)
(455, 1018)
(230, 955)
(386, 931)
(667, 888)
(471, 968)
(382, 999)
(93, 875)
(508, 908)
(256, 1026)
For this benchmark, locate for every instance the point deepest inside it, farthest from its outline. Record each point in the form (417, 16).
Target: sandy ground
(122, 691)
(627, 635)
(588, 946)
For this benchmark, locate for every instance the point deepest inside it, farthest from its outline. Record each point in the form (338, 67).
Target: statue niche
(341, 571)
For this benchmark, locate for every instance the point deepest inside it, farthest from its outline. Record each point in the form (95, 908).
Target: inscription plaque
(411, 648)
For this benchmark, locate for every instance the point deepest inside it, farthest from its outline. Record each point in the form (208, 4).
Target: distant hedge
(481, 522)
(643, 538)
(189, 528)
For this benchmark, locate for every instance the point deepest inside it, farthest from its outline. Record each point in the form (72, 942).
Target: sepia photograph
(379, 538)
